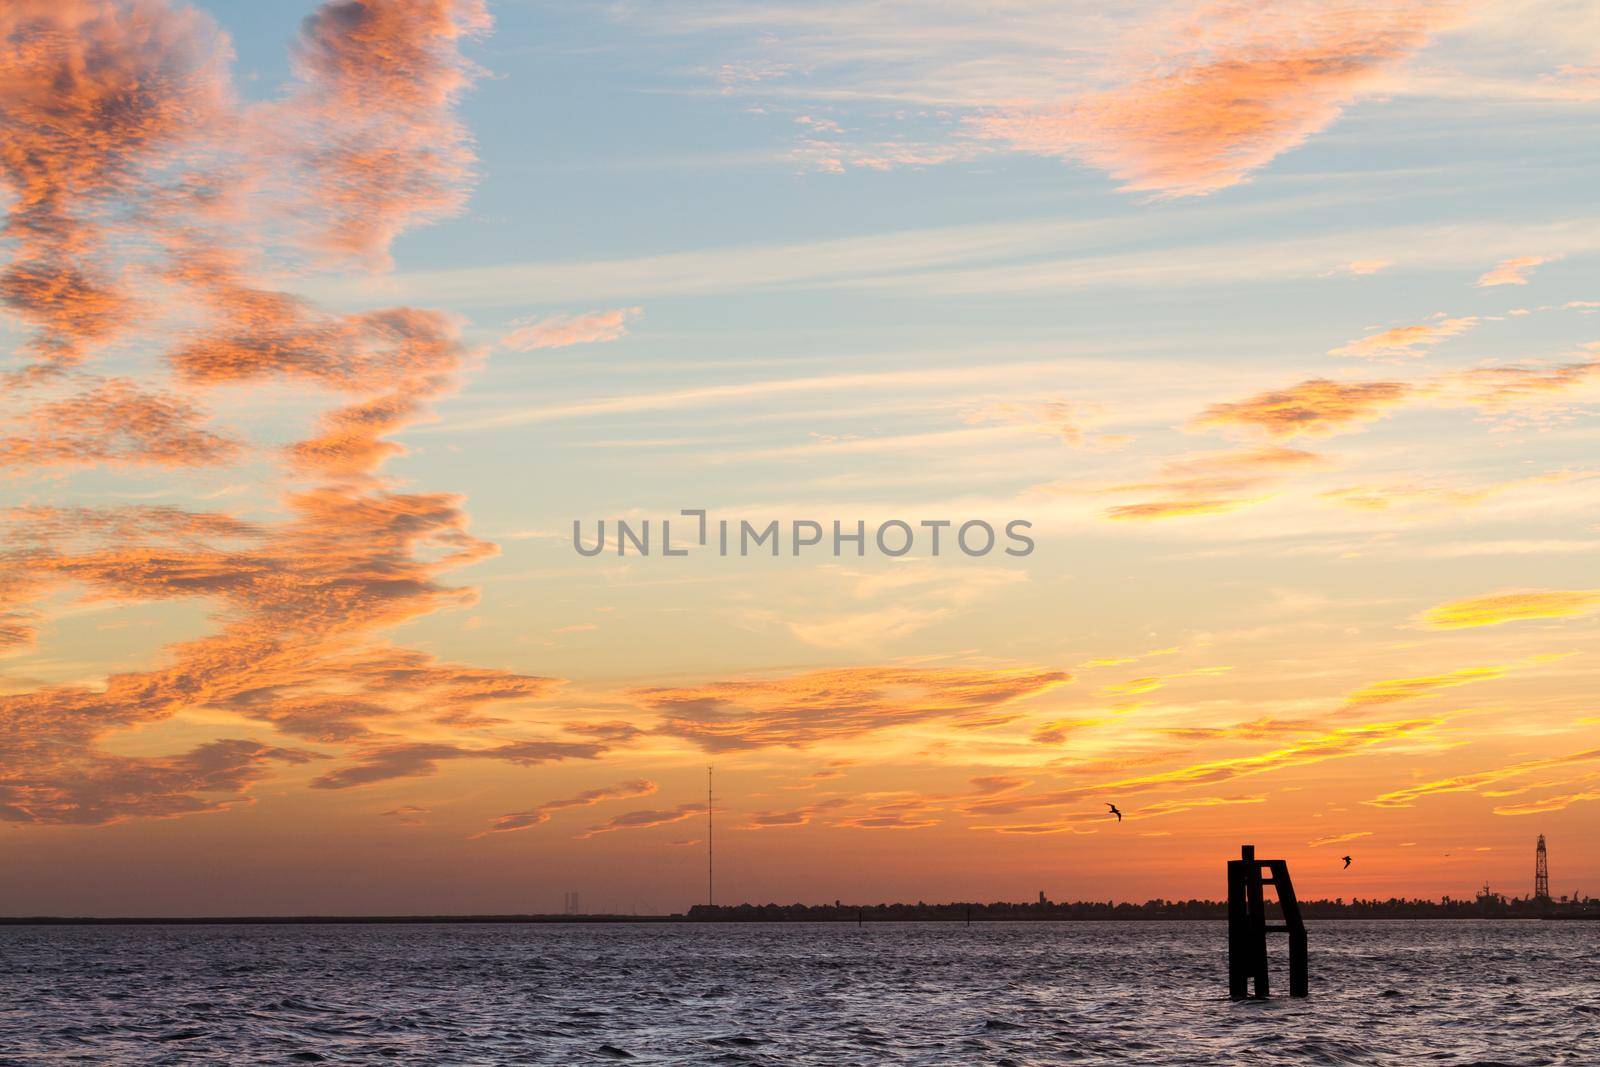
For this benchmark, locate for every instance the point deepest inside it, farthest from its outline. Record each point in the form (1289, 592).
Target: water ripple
(1020, 994)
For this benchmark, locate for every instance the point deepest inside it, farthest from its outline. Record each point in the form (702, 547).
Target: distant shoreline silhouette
(1484, 906)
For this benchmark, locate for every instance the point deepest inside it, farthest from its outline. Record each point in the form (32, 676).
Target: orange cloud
(906, 811)
(1468, 783)
(1209, 483)
(421, 759)
(1180, 805)
(645, 820)
(774, 820)
(1406, 340)
(1513, 271)
(99, 98)
(1384, 497)
(1176, 509)
(560, 331)
(1332, 744)
(406, 814)
(1338, 839)
(1153, 810)
(541, 813)
(1253, 730)
(104, 103)
(1037, 829)
(1135, 686)
(295, 651)
(1498, 388)
(399, 358)
(990, 784)
(1321, 406)
(1056, 731)
(115, 422)
(99, 789)
(374, 118)
(1398, 689)
(1559, 802)
(1316, 407)
(808, 708)
(1235, 86)
(1513, 606)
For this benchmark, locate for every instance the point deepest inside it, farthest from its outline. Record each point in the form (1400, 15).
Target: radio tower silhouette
(711, 897)
(1541, 873)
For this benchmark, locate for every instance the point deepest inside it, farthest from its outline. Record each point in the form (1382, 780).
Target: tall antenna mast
(710, 884)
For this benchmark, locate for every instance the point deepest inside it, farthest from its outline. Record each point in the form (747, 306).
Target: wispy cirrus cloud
(1394, 690)
(1504, 387)
(1316, 407)
(1554, 802)
(562, 331)
(1406, 341)
(1474, 781)
(644, 819)
(1171, 98)
(1324, 406)
(792, 817)
(805, 709)
(1227, 90)
(540, 814)
(1404, 495)
(1319, 747)
(419, 759)
(1056, 418)
(1518, 605)
(1198, 484)
(1513, 271)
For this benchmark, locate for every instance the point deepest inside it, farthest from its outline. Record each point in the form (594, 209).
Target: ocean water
(993, 993)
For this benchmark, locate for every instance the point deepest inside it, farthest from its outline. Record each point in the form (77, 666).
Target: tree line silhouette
(1492, 905)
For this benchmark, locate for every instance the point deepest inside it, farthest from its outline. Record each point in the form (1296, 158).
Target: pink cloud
(1234, 87)
(559, 331)
(1513, 271)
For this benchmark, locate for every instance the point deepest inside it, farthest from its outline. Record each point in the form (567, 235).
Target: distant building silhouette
(571, 904)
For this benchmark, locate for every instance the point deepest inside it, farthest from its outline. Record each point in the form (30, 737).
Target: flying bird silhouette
(1115, 812)
(1346, 862)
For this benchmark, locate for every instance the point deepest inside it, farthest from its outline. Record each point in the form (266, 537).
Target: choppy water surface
(998, 993)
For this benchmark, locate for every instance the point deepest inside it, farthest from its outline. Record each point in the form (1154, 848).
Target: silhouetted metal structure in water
(1541, 873)
(1248, 927)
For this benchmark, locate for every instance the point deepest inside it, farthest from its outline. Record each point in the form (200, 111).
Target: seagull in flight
(1115, 812)
(1346, 863)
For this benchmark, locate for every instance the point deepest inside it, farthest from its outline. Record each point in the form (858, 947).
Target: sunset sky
(324, 323)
